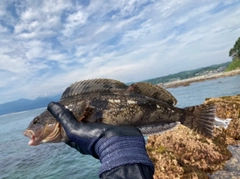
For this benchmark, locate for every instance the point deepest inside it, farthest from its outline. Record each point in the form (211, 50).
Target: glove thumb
(63, 115)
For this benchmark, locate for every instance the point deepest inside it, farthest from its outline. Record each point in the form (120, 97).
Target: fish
(148, 107)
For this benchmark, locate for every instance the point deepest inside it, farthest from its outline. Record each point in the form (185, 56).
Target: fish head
(44, 128)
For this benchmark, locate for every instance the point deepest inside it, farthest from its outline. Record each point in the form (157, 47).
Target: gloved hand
(113, 145)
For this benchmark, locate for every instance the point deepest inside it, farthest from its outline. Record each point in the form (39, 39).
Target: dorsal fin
(153, 91)
(93, 86)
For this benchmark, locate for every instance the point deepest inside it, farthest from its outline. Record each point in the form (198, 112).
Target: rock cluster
(183, 153)
(228, 107)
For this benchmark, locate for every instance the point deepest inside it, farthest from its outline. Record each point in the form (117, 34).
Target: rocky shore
(188, 81)
(183, 153)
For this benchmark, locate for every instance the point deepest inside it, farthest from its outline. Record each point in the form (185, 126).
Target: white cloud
(47, 45)
(74, 22)
(3, 29)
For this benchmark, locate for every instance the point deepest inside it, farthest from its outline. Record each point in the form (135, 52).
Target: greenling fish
(143, 105)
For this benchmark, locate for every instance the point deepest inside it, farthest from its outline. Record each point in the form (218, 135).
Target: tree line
(235, 51)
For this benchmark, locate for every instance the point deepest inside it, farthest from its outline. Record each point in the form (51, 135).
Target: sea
(50, 161)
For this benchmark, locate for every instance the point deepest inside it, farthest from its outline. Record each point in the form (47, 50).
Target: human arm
(121, 149)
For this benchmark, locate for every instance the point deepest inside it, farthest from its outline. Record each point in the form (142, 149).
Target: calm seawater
(18, 160)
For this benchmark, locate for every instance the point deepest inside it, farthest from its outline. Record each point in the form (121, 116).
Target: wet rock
(228, 107)
(183, 153)
(232, 166)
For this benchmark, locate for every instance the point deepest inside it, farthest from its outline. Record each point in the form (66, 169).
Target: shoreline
(187, 82)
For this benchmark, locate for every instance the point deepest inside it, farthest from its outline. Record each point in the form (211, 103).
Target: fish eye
(36, 120)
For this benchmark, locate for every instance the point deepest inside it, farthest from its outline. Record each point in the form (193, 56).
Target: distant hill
(189, 74)
(26, 104)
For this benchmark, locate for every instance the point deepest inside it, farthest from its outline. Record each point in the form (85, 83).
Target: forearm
(121, 149)
(123, 154)
(138, 171)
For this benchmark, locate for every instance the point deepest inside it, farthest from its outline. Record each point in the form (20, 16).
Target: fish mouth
(30, 134)
(52, 133)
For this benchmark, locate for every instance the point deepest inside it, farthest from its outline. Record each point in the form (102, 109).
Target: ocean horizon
(18, 160)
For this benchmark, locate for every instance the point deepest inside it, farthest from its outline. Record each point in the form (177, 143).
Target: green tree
(235, 51)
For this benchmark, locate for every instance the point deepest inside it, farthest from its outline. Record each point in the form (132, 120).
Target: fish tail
(200, 118)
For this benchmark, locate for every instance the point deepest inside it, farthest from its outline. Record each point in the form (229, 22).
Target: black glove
(113, 145)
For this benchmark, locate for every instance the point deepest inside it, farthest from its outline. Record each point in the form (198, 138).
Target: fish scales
(121, 109)
(146, 106)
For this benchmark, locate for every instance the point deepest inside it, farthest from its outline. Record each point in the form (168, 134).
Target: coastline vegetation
(233, 66)
(189, 74)
(235, 54)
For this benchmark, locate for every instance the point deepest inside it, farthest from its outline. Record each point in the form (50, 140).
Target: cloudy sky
(45, 45)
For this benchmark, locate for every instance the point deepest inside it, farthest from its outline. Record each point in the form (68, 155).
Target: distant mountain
(26, 104)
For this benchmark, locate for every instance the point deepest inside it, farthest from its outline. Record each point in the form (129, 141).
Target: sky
(46, 45)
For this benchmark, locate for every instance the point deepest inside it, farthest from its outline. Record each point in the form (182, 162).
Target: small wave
(222, 122)
(20, 112)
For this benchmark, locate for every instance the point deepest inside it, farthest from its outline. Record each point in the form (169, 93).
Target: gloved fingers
(77, 147)
(63, 115)
(126, 130)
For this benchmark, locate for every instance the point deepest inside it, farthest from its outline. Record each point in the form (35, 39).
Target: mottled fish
(148, 107)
